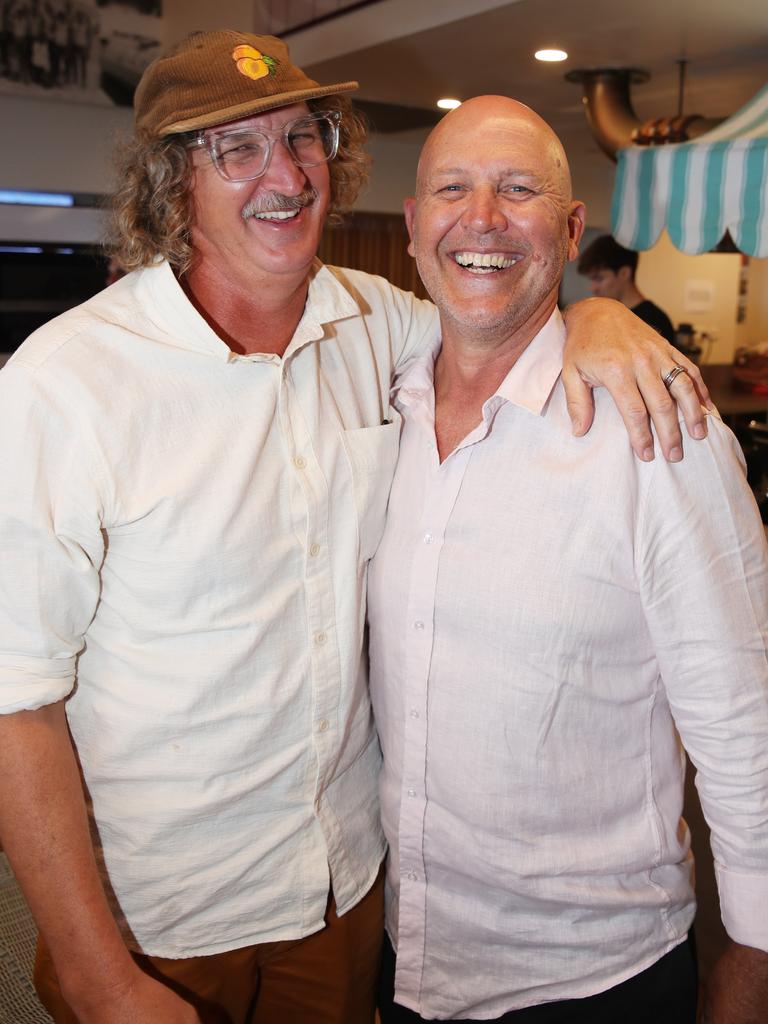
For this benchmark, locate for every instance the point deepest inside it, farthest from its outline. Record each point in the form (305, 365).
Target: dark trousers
(664, 993)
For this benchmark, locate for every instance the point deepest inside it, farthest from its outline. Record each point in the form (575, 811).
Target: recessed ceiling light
(551, 55)
(448, 104)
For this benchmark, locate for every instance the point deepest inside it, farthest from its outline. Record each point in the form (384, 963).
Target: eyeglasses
(244, 153)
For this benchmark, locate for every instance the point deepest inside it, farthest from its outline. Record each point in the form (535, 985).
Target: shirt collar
(530, 381)
(162, 299)
(528, 384)
(327, 301)
(172, 313)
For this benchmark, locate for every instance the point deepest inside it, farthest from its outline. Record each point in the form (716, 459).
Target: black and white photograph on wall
(80, 51)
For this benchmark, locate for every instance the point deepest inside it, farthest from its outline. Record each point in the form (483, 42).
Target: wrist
(89, 986)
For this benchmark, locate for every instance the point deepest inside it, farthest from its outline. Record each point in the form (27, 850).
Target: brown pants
(328, 978)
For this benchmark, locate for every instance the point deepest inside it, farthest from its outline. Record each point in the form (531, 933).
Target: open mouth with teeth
(485, 262)
(277, 215)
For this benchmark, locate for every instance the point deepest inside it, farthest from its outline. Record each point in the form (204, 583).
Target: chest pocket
(372, 455)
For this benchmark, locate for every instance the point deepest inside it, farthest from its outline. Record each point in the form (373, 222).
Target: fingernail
(699, 431)
(648, 454)
(675, 454)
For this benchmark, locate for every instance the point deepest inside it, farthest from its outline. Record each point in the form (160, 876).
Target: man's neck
(469, 369)
(252, 317)
(632, 296)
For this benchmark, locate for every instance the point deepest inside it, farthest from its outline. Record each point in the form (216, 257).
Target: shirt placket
(321, 631)
(443, 483)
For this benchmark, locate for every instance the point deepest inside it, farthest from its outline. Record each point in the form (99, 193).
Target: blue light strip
(36, 249)
(11, 197)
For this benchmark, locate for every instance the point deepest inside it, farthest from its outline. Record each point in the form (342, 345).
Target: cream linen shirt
(184, 540)
(544, 610)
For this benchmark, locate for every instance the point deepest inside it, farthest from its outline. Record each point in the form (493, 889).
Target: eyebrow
(507, 172)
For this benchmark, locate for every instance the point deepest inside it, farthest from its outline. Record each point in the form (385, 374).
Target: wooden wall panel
(376, 243)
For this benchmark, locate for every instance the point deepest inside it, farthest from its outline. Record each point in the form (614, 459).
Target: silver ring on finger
(672, 376)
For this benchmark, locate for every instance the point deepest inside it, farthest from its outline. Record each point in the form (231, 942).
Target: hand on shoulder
(608, 346)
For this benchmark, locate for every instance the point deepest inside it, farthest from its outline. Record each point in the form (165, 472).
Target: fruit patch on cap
(252, 62)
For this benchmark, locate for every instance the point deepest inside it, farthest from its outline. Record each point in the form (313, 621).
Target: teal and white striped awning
(698, 190)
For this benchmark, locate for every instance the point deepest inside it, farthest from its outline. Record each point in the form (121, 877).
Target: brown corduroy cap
(214, 77)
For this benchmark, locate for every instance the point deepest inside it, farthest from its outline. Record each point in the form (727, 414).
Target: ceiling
(412, 52)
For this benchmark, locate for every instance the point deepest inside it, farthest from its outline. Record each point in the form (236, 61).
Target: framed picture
(79, 51)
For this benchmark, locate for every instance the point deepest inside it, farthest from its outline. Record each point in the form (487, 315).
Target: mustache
(274, 202)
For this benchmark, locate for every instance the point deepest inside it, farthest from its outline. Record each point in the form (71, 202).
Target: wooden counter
(729, 399)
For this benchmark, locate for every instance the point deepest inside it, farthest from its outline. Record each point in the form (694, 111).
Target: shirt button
(411, 792)
(300, 462)
(320, 639)
(412, 876)
(323, 724)
(314, 550)
(428, 538)
(414, 713)
(418, 624)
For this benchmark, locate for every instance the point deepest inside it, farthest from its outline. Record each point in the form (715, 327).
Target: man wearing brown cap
(198, 462)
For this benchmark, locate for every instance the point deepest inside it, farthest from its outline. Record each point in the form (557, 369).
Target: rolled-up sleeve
(51, 545)
(703, 564)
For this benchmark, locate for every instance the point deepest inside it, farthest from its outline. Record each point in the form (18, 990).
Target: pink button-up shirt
(545, 610)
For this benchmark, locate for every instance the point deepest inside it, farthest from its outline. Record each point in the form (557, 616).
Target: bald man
(546, 613)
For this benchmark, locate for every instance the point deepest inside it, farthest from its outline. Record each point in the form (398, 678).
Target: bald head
(493, 222)
(498, 116)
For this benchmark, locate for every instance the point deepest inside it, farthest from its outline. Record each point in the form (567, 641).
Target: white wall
(59, 147)
(393, 175)
(668, 277)
(754, 331)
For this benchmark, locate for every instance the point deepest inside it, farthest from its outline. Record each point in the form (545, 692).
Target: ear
(409, 208)
(624, 274)
(577, 219)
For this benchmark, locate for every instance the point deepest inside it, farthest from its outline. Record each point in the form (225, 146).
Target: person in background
(547, 614)
(195, 466)
(611, 271)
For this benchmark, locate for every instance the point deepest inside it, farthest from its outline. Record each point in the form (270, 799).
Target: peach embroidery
(252, 62)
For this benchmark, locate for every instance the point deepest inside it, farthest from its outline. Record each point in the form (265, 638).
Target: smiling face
(493, 223)
(263, 232)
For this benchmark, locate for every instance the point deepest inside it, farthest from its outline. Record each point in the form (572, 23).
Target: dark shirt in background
(655, 318)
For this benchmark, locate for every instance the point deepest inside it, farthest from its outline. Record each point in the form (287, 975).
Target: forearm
(737, 991)
(44, 830)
